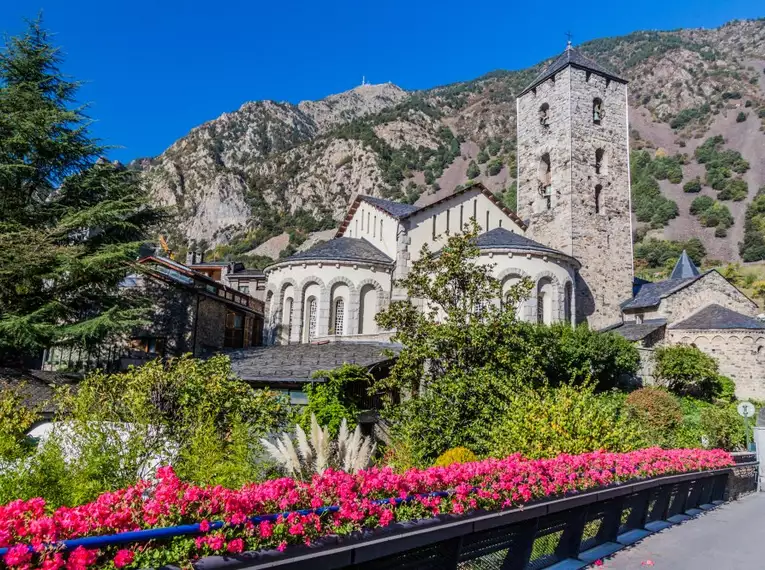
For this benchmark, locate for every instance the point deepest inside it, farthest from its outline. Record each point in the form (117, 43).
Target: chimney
(190, 257)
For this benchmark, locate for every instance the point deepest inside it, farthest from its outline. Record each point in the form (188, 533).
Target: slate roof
(718, 317)
(342, 249)
(684, 268)
(37, 387)
(296, 363)
(572, 56)
(502, 238)
(651, 294)
(247, 273)
(638, 331)
(395, 209)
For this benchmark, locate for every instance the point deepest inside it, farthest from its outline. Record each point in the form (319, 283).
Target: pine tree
(71, 223)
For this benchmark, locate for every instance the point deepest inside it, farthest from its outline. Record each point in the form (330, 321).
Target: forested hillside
(697, 110)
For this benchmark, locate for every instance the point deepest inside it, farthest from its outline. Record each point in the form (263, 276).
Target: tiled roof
(572, 56)
(684, 268)
(718, 317)
(297, 362)
(502, 238)
(37, 387)
(342, 249)
(247, 273)
(637, 331)
(396, 209)
(651, 294)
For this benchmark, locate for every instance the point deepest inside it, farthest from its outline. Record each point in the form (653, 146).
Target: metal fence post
(571, 539)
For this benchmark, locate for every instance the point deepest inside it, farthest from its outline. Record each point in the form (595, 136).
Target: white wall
(356, 229)
(510, 268)
(327, 283)
(421, 223)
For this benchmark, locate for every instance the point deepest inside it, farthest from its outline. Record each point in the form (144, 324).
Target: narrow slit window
(434, 229)
(462, 211)
(368, 216)
(544, 115)
(381, 228)
(475, 210)
(599, 153)
(362, 220)
(598, 190)
(597, 110)
(486, 229)
(374, 228)
(447, 222)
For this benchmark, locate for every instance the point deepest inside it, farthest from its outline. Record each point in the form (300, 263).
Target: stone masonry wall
(602, 240)
(711, 288)
(211, 324)
(739, 353)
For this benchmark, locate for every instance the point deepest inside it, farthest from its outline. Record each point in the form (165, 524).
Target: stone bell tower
(573, 177)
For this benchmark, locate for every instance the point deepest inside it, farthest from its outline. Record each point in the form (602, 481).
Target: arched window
(597, 110)
(311, 319)
(287, 320)
(568, 302)
(545, 301)
(367, 309)
(544, 115)
(598, 190)
(540, 307)
(339, 316)
(599, 163)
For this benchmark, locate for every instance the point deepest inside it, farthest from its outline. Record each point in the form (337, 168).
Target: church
(571, 236)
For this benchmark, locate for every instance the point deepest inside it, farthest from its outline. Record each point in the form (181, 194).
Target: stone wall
(739, 353)
(711, 288)
(599, 237)
(210, 328)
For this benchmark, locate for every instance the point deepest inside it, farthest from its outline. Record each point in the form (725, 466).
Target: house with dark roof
(701, 309)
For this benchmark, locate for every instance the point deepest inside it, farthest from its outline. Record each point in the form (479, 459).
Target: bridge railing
(574, 530)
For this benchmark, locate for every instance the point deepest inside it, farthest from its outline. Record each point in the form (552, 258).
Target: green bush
(648, 203)
(473, 171)
(718, 215)
(701, 204)
(721, 232)
(658, 253)
(332, 400)
(116, 427)
(727, 392)
(657, 411)
(546, 422)
(735, 189)
(741, 117)
(667, 168)
(455, 455)
(687, 115)
(687, 371)
(482, 157)
(692, 186)
(16, 419)
(723, 428)
(752, 248)
(494, 167)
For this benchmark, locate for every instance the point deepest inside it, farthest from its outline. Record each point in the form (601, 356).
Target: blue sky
(155, 69)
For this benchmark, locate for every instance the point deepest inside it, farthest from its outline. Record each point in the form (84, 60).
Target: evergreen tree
(71, 224)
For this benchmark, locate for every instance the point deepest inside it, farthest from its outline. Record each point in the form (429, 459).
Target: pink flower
(123, 558)
(204, 526)
(18, 555)
(266, 529)
(215, 542)
(598, 563)
(235, 546)
(282, 546)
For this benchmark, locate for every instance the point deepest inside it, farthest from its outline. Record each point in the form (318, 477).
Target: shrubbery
(117, 428)
(657, 411)
(687, 371)
(648, 202)
(692, 186)
(546, 422)
(753, 246)
(657, 253)
(455, 455)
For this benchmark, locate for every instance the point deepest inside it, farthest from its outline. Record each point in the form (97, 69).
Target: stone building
(231, 273)
(573, 177)
(703, 310)
(335, 289)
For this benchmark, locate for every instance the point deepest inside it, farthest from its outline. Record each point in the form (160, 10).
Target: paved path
(730, 537)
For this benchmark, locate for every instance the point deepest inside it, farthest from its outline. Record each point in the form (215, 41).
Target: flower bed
(221, 521)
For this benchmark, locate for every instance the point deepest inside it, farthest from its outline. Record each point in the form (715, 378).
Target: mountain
(277, 169)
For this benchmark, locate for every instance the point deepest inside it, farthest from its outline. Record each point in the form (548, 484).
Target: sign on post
(746, 409)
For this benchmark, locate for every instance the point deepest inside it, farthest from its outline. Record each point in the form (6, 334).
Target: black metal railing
(579, 529)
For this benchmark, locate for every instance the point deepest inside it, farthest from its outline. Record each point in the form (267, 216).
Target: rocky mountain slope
(271, 169)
